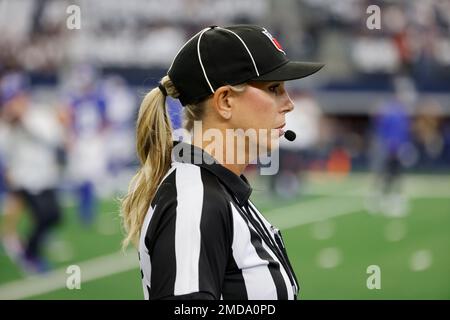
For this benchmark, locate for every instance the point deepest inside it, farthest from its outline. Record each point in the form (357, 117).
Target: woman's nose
(288, 105)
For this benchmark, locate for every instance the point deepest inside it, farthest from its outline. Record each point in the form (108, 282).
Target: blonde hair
(154, 147)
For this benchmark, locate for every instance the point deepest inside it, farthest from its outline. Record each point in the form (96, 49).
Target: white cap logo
(273, 40)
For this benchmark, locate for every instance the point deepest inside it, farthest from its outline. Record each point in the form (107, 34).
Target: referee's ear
(222, 101)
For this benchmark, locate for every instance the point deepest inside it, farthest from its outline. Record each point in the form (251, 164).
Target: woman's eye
(274, 88)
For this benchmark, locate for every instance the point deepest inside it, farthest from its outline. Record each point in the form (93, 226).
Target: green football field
(331, 236)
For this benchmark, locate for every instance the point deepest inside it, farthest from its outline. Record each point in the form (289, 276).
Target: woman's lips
(280, 129)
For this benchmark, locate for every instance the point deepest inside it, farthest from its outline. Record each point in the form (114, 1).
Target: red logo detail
(277, 44)
(274, 41)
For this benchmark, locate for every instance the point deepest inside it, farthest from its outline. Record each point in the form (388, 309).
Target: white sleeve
(44, 126)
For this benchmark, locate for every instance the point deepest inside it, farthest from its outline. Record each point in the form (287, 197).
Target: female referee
(187, 209)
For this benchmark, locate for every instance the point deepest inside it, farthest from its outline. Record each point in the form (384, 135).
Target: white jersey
(30, 150)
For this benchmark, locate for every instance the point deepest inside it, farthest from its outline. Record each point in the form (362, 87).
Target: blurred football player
(33, 136)
(87, 123)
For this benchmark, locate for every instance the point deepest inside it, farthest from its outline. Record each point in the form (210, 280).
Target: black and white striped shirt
(202, 237)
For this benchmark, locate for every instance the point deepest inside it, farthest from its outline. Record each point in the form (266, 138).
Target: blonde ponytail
(154, 147)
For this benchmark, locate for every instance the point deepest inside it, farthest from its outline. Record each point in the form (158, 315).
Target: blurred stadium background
(367, 182)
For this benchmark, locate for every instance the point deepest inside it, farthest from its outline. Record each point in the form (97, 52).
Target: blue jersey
(88, 112)
(175, 112)
(392, 126)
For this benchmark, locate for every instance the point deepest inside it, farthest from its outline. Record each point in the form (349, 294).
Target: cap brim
(290, 71)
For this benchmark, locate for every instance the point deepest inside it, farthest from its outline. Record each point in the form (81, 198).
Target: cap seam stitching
(245, 45)
(200, 59)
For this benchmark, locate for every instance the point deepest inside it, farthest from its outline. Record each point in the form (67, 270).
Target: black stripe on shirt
(160, 240)
(273, 266)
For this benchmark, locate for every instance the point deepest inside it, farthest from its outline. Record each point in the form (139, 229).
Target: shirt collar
(237, 185)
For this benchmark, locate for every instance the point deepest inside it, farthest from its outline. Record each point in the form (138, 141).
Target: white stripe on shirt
(187, 228)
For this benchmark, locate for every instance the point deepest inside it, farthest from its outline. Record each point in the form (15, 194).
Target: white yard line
(313, 211)
(90, 270)
(363, 185)
(410, 191)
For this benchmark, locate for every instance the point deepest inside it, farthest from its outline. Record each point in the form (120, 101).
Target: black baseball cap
(218, 56)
